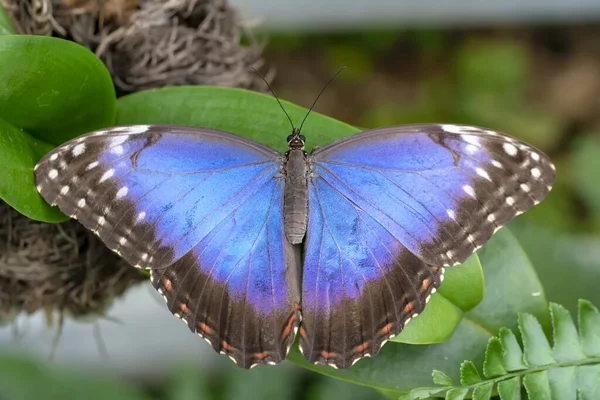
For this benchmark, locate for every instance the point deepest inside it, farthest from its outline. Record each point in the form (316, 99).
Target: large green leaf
(53, 89)
(511, 285)
(250, 114)
(19, 153)
(259, 117)
(568, 265)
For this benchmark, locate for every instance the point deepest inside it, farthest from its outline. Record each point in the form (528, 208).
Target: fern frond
(568, 369)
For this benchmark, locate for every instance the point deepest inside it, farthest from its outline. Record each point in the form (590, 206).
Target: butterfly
(251, 247)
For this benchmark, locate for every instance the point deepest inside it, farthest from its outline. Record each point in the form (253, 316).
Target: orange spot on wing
(386, 329)
(168, 284)
(205, 328)
(260, 356)
(361, 348)
(425, 284)
(327, 355)
(302, 332)
(408, 308)
(288, 326)
(435, 268)
(184, 308)
(226, 346)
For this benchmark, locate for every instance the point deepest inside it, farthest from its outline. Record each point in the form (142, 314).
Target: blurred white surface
(327, 15)
(148, 340)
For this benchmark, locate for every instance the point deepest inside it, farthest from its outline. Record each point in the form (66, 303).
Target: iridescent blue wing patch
(202, 209)
(388, 209)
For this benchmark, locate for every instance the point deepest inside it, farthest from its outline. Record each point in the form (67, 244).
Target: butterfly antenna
(274, 95)
(317, 99)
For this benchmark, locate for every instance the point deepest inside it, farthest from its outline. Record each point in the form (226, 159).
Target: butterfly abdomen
(295, 196)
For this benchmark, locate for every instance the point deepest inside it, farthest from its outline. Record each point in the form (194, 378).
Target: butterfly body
(251, 247)
(295, 199)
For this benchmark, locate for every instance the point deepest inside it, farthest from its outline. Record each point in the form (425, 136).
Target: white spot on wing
(535, 156)
(107, 175)
(53, 173)
(122, 192)
(81, 203)
(141, 216)
(451, 214)
(117, 150)
(471, 139)
(510, 201)
(525, 187)
(117, 140)
(78, 150)
(101, 221)
(471, 149)
(452, 128)
(510, 149)
(481, 172)
(53, 157)
(92, 165)
(497, 164)
(535, 172)
(64, 190)
(469, 190)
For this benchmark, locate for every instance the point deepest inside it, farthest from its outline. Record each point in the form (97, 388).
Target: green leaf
(250, 114)
(438, 314)
(466, 287)
(562, 383)
(6, 25)
(537, 386)
(420, 393)
(544, 377)
(456, 394)
(588, 382)
(19, 153)
(511, 285)
(469, 374)
(440, 378)
(484, 391)
(568, 265)
(510, 389)
(589, 328)
(537, 348)
(566, 340)
(513, 355)
(53, 89)
(493, 364)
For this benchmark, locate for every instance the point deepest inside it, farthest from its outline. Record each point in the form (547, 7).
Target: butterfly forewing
(388, 209)
(202, 209)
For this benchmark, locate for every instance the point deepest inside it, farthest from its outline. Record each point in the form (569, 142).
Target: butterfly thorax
(295, 197)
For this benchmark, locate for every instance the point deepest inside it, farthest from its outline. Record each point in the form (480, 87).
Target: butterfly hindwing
(360, 284)
(388, 209)
(201, 209)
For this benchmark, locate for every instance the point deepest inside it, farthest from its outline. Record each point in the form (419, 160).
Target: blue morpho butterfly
(250, 247)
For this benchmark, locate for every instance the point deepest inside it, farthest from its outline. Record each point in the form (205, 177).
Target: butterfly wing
(201, 209)
(388, 209)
